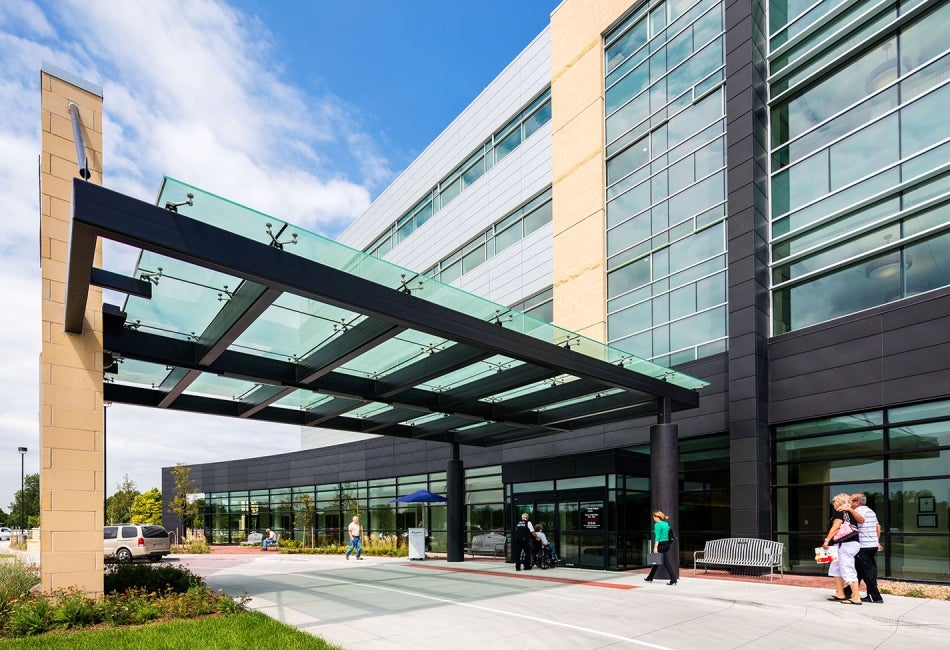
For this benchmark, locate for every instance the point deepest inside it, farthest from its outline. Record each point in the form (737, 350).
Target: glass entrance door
(575, 521)
(583, 533)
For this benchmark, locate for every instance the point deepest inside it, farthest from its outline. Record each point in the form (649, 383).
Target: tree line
(126, 505)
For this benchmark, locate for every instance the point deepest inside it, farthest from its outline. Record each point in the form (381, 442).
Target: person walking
(522, 537)
(356, 532)
(869, 537)
(842, 569)
(661, 545)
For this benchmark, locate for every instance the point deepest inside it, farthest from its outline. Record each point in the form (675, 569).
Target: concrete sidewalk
(394, 603)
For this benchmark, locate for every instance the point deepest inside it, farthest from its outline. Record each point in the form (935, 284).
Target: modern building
(756, 194)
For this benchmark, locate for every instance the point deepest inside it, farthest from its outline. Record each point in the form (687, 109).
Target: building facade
(755, 193)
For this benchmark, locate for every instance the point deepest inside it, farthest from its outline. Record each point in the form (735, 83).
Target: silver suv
(127, 542)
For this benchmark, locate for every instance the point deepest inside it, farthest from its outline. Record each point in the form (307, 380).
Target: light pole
(22, 451)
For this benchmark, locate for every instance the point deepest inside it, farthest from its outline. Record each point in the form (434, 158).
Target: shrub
(149, 578)
(293, 544)
(30, 616)
(194, 546)
(17, 578)
(72, 609)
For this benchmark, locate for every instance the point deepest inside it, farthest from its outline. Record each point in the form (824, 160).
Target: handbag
(846, 529)
(654, 558)
(671, 536)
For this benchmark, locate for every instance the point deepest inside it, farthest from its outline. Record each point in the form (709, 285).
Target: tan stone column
(577, 109)
(72, 458)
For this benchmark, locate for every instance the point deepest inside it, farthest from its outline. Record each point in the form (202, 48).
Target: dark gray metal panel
(893, 354)
(747, 261)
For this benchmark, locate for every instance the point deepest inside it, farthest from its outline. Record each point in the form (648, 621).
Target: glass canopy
(244, 314)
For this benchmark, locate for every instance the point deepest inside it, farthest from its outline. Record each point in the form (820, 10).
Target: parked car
(5, 534)
(127, 542)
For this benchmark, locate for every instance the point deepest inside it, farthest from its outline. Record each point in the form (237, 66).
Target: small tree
(184, 508)
(306, 514)
(147, 508)
(119, 505)
(30, 497)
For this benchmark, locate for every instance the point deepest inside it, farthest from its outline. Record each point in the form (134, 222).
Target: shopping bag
(826, 555)
(654, 558)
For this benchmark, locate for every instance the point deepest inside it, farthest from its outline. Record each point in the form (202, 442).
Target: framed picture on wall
(927, 521)
(926, 504)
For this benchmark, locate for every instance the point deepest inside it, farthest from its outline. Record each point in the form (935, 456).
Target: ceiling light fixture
(887, 266)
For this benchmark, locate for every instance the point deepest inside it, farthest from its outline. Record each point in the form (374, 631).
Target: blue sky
(305, 110)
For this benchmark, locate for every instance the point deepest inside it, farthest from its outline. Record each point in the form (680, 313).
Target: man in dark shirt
(521, 538)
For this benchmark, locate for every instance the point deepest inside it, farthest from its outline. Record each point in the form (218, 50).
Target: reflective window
(903, 469)
(665, 153)
(850, 149)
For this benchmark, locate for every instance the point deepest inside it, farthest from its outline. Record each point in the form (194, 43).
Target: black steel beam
(100, 211)
(121, 283)
(437, 364)
(497, 382)
(154, 348)
(360, 338)
(82, 252)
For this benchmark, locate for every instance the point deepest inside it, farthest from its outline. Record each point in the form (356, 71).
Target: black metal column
(455, 493)
(664, 482)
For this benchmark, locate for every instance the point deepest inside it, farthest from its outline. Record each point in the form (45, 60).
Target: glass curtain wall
(318, 515)
(705, 503)
(666, 181)
(898, 457)
(860, 178)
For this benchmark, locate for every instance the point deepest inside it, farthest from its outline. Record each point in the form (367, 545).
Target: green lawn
(242, 630)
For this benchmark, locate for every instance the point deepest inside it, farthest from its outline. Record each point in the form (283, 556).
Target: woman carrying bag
(661, 545)
(844, 533)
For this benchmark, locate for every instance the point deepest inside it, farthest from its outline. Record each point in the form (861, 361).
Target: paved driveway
(389, 603)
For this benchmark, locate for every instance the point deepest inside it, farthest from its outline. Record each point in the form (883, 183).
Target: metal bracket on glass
(275, 239)
(152, 277)
(404, 285)
(173, 206)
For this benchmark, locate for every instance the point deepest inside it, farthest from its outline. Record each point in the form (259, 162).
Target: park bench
(254, 539)
(741, 552)
(485, 549)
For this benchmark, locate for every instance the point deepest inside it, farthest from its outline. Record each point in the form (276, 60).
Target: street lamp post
(22, 451)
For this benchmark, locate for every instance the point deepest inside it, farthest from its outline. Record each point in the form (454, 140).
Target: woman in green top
(661, 544)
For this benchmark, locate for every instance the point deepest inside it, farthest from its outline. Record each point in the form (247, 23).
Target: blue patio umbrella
(420, 496)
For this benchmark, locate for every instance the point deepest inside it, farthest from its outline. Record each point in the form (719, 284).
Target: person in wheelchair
(545, 549)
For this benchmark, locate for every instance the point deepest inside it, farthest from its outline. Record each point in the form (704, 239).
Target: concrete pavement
(395, 603)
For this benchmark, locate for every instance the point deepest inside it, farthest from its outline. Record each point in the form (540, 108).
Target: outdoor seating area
(741, 552)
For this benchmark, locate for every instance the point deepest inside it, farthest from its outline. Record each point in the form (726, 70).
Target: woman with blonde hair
(661, 545)
(843, 569)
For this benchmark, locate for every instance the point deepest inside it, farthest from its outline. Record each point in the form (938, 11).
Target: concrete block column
(72, 457)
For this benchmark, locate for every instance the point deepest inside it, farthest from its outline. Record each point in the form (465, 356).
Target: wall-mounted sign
(590, 515)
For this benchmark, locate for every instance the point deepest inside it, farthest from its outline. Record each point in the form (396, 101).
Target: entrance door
(583, 533)
(574, 521)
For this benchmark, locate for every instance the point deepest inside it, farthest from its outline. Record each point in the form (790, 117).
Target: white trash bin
(417, 543)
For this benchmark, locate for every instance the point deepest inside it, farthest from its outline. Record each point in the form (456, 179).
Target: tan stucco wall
(72, 455)
(579, 219)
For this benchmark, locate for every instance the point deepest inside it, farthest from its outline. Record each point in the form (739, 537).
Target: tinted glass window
(129, 531)
(154, 531)
(110, 532)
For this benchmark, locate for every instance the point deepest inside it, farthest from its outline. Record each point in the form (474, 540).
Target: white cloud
(192, 89)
